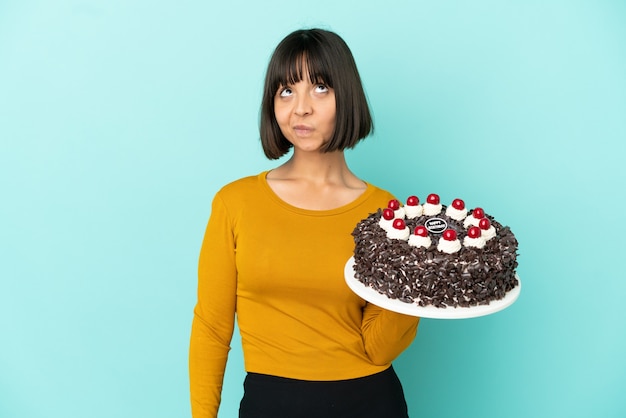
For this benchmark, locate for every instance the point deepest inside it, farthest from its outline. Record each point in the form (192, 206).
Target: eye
(285, 92)
(321, 88)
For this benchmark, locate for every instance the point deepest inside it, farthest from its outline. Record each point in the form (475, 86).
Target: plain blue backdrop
(119, 120)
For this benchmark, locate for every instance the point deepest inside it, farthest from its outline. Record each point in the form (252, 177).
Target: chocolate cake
(432, 254)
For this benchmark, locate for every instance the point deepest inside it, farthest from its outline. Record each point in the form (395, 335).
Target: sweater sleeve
(386, 334)
(214, 313)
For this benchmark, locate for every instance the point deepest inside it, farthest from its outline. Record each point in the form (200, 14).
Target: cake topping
(413, 201)
(386, 220)
(421, 231)
(399, 224)
(398, 211)
(474, 238)
(473, 232)
(420, 237)
(478, 213)
(488, 230)
(436, 225)
(433, 199)
(399, 230)
(449, 235)
(457, 210)
(413, 209)
(458, 204)
(448, 243)
(433, 205)
(474, 218)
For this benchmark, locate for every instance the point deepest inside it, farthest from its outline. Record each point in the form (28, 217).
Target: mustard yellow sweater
(280, 269)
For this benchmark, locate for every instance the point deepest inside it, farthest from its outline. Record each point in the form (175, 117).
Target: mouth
(302, 130)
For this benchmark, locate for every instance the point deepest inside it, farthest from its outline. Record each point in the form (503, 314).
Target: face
(305, 112)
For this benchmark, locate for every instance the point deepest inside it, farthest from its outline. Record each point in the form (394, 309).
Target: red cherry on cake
(458, 204)
(388, 214)
(449, 234)
(478, 213)
(394, 204)
(484, 224)
(421, 231)
(473, 232)
(399, 224)
(412, 201)
(433, 199)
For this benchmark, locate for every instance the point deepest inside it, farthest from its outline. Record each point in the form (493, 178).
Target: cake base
(413, 309)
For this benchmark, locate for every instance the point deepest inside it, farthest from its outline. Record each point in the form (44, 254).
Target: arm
(214, 314)
(386, 334)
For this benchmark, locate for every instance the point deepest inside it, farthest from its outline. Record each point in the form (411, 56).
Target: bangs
(298, 64)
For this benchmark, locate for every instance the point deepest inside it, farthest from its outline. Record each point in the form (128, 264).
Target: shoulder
(242, 187)
(235, 198)
(379, 195)
(241, 193)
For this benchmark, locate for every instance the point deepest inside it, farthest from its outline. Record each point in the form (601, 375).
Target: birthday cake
(435, 255)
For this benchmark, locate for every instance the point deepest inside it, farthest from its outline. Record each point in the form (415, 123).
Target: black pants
(376, 396)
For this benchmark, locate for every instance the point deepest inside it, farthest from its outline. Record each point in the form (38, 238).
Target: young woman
(274, 253)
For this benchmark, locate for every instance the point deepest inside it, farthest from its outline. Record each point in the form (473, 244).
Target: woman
(274, 252)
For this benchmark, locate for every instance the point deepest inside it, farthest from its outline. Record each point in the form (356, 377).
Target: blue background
(119, 120)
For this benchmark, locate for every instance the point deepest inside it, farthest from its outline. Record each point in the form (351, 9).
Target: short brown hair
(329, 61)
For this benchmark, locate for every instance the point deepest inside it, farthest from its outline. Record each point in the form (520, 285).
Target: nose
(303, 105)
